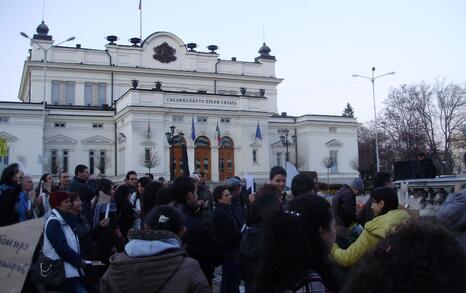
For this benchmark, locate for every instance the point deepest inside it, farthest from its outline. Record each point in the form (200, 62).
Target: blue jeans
(75, 285)
(230, 276)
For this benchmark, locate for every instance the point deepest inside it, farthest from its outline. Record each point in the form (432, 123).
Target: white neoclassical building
(111, 109)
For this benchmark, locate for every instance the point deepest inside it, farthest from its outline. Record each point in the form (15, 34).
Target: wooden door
(177, 161)
(202, 161)
(226, 162)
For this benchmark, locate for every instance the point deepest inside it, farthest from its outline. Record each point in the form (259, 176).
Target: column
(191, 165)
(214, 162)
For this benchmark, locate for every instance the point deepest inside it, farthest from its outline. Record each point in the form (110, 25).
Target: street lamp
(372, 79)
(46, 50)
(171, 141)
(286, 143)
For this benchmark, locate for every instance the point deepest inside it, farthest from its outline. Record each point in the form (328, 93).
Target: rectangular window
(102, 162)
(59, 124)
(177, 119)
(91, 161)
(332, 129)
(334, 160)
(63, 92)
(279, 159)
(254, 155)
(225, 120)
(95, 94)
(202, 119)
(4, 161)
(54, 162)
(4, 119)
(97, 125)
(65, 160)
(147, 155)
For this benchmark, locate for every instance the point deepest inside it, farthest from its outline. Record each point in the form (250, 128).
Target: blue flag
(258, 132)
(193, 130)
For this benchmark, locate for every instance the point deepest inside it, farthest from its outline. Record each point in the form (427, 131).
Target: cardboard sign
(17, 245)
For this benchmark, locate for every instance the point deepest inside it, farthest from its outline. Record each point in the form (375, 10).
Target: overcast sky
(318, 44)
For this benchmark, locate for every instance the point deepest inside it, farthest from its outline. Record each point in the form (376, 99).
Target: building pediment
(255, 145)
(277, 144)
(334, 143)
(97, 139)
(148, 143)
(8, 137)
(60, 139)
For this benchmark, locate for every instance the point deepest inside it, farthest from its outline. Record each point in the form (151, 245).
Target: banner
(17, 245)
(3, 147)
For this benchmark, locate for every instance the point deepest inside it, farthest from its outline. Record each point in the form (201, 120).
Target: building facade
(111, 109)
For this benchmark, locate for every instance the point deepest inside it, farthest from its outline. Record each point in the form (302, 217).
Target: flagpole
(140, 20)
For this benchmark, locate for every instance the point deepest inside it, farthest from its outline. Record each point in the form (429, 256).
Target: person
(301, 184)
(427, 166)
(227, 228)
(43, 190)
(154, 260)
(25, 205)
(136, 199)
(453, 210)
(344, 210)
(61, 241)
(277, 176)
(9, 195)
(205, 201)
(201, 244)
(125, 212)
(237, 205)
(63, 180)
(86, 189)
(267, 201)
(387, 216)
(165, 196)
(297, 242)
(131, 180)
(162, 181)
(418, 257)
(380, 179)
(150, 176)
(149, 195)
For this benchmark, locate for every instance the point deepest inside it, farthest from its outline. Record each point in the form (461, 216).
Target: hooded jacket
(154, 262)
(374, 231)
(454, 211)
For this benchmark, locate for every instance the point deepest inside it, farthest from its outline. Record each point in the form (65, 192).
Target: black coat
(428, 168)
(9, 197)
(86, 190)
(227, 228)
(249, 253)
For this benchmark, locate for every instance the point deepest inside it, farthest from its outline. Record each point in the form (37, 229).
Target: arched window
(226, 142)
(202, 141)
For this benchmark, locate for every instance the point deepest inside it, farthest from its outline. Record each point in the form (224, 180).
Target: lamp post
(44, 83)
(286, 143)
(372, 79)
(171, 141)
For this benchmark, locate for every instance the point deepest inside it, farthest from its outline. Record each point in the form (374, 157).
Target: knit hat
(233, 182)
(357, 183)
(57, 197)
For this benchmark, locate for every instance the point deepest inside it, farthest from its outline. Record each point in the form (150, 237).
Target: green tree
(348, 112)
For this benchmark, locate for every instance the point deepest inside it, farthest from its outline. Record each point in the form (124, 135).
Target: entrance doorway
(176, 156)
(226, 158)
(202, 156)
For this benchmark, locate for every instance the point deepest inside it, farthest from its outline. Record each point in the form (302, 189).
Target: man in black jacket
(201, 244)
(344, 210)
(86, 189)
(428, 168)
(227, 227)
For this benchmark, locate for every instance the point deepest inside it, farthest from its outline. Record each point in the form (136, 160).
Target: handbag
(50, 272)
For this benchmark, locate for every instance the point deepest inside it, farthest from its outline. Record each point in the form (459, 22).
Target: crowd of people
(148, 235)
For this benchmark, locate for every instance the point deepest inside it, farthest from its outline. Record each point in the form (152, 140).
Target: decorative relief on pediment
(164, 53)
(8, 137)
(61, 140)
(97, 139)
(334, 143)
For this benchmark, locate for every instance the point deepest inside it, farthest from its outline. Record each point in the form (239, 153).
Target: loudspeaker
(411, 169)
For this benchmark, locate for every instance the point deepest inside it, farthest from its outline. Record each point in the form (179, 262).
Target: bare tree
(149, 159)
(328, 163)
(55, 164)
(102, 163)
(451, 100)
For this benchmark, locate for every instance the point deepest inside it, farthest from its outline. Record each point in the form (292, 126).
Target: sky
(318, 44)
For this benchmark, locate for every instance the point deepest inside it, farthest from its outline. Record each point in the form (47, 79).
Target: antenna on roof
(263, 33)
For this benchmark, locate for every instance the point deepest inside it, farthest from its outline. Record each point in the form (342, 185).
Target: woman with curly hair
(387, 216)
(418, 257)
(296, 244)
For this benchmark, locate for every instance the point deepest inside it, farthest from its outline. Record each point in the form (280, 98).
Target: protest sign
(17, 245)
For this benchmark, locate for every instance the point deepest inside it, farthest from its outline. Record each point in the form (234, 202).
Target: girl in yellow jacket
(387, 217)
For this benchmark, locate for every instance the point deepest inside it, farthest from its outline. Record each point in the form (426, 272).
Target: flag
(217, 134)
(193, 130)
(258, 131)
(140, 7)
(291, 171)
(3, 147)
